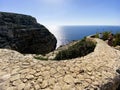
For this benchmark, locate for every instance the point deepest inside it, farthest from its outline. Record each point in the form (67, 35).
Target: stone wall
(96, 71)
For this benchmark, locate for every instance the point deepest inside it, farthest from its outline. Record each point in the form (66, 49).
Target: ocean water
(66, 34)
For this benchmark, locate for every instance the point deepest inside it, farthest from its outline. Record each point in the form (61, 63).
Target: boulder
(23, 34)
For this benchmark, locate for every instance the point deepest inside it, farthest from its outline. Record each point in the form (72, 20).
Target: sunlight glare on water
(58, 33)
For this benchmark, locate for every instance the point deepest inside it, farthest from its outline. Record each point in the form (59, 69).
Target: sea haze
(66, 34)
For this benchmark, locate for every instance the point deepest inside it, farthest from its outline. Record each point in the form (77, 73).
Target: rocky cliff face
(22, 33)
(99, 70)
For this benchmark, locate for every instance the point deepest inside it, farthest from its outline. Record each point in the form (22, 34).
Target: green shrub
(40, 58)
(81, 48)
(116, 39)
(97, 35)
(105, 35)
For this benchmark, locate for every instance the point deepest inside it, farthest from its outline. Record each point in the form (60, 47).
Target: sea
(66, 34)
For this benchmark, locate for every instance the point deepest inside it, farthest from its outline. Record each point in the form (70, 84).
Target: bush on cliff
(81, 48)
(105, 35)
(116, 39)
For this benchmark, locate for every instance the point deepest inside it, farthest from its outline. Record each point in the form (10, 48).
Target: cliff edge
(99, 70)
(23, 34)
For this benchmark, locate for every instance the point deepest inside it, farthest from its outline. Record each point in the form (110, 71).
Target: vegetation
(105, 35)
(116, 40)
(97, 35)
(81, 48)
(40, 58)
(116, 37)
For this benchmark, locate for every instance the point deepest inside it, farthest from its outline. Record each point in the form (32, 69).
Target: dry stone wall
(96, 71)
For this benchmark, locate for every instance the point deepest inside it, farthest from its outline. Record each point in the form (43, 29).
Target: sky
(67, 12)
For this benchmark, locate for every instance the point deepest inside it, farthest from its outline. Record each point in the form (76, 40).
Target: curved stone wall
(96, 71)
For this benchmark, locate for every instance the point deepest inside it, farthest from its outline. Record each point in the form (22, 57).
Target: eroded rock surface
(96, 71)
(22, 33)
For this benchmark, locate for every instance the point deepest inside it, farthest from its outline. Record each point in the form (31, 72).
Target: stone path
(96, 71)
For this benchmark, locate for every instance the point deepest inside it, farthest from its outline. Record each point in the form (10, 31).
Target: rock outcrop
(22, 33)
(99, 70)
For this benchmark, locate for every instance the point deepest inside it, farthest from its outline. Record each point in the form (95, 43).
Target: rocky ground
(96, 71)
(117, 47)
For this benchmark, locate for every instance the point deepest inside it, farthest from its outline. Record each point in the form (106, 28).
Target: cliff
(99, 70)
(22, 33)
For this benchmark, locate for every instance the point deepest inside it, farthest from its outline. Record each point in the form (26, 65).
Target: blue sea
(66, 34)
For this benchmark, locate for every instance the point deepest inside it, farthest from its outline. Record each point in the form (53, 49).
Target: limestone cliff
(99, 70)
(22, 33)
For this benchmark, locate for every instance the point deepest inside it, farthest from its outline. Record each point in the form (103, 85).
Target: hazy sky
(67, 12)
